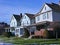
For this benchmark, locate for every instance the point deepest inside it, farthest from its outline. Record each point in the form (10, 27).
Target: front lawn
(17, 41)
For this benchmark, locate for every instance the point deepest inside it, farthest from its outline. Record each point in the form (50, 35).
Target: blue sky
(10, 7)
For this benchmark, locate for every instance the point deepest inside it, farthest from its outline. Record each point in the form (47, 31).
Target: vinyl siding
(56, 16)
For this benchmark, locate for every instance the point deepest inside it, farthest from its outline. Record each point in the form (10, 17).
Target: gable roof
(54, 6)
(17, 17)
(30, 15)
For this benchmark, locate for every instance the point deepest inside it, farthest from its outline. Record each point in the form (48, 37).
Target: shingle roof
(17, 17)
(54, 6)
(30, 15)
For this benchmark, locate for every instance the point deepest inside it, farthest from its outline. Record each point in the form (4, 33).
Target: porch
(40, 29)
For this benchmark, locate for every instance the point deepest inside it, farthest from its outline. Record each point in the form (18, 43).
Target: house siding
(25, 20)
(32, 21)
(56, 16)
(45, 8)
(18, 31)
(13, 22)
(45, 12)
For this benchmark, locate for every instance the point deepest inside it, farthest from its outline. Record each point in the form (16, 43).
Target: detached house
(15, 21)
(50, 13)
(26, 21)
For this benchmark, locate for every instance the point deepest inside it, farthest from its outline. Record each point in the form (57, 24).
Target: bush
(26, 34)
(45, 34)
(7, 34)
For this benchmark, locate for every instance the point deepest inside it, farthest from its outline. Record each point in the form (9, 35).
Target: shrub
(26, 34)
(7, 34)
(45, 34)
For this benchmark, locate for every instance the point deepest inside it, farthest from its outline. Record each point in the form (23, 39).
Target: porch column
(30, 33)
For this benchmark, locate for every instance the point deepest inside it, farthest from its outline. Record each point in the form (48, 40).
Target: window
(38, 18)
(12, 29)
(17, 30)
(21, 31)
(47, 16)
(44, 16)
(23, 23)
(27, 22)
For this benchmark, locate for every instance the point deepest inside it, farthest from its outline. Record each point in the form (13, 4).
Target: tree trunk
(56, 36)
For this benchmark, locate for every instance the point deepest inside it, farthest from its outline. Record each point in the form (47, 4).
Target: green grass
(15, 40)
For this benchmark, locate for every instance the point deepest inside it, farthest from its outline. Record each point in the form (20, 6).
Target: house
(7, 28)
(15, 22)
(50, 13)
(26, 20)
(36, 23)
(2, 27)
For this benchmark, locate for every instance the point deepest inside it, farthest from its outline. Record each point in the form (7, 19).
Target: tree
(56, 27)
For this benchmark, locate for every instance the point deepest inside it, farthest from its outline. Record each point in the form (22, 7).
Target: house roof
(54, 6)
(39, 23)
(17, 17)
(30, 15)
(3, 25)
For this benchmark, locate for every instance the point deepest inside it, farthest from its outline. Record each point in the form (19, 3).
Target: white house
(49, 12)
(26, 21)
(19, 31)
(15, 21)
(48, 15)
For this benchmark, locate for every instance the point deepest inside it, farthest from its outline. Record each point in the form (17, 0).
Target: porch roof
(39, 23)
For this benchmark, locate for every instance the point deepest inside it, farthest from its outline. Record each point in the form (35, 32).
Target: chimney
(21, 14)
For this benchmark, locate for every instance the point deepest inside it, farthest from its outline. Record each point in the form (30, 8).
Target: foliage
(26, 33)
(7, 34)
(56, 28)
(45, 34)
